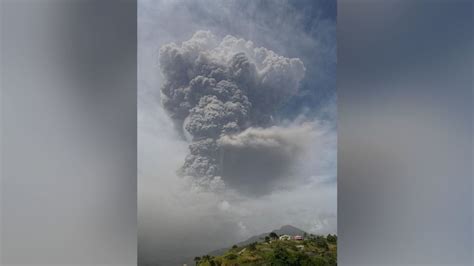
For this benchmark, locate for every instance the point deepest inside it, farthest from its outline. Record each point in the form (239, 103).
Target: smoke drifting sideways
(221, 96)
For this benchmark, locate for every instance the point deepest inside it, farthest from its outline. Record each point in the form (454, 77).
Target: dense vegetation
(313, 250)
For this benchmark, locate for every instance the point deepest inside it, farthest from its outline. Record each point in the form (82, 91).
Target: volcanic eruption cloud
(221, 95)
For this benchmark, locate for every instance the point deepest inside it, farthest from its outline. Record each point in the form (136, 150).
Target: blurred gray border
(68, 184)
(405, 178)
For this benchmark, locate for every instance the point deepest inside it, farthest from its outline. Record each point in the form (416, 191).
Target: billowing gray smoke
(214, 91)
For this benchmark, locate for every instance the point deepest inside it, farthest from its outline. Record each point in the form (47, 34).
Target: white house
(285, 237)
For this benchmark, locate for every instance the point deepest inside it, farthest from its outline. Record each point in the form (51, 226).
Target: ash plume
(218, 93)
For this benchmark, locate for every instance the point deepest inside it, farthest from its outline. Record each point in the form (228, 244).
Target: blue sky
(303, 29)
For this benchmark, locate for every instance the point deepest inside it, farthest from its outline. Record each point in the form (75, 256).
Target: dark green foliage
(231, 256)
(303, 260)
(273, 235)
(319, 262)
(332, 261)
(280, 257)
(321, 242)
(197, 259)
(331, 238)
(253, 246)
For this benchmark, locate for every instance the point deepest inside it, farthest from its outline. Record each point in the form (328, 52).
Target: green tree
(302, 259)
(196, 260)
(321, 243)
(331, 238)
(231, 256)
(280, 257)
(273, 235)
(318, 261)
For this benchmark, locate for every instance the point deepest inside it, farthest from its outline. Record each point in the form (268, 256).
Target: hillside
(313, 250)
(284, 230)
